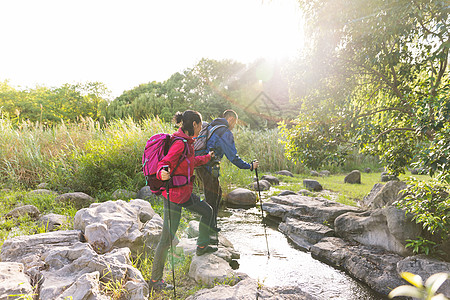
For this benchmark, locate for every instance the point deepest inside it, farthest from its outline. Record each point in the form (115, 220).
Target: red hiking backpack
(156, 148)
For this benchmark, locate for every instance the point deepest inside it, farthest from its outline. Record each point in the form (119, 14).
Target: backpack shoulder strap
(213, 129)
(183, 155)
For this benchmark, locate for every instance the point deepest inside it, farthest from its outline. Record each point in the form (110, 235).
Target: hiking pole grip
(260, 204)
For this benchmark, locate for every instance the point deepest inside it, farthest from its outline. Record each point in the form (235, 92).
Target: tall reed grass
(95, 159)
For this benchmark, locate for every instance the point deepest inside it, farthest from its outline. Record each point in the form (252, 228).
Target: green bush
(429, 202)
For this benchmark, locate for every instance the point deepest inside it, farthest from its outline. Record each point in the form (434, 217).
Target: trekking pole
(171, 240)
(262, 213)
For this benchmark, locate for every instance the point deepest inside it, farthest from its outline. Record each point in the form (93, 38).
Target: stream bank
(287, 265)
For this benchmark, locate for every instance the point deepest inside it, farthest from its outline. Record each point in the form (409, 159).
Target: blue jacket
(222, 142)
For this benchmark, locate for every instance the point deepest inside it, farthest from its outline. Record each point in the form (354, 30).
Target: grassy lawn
(343, 192)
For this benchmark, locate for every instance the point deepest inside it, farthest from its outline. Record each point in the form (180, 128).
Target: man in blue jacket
(222, 143)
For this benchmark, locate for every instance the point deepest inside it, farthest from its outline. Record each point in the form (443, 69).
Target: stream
(286, 265)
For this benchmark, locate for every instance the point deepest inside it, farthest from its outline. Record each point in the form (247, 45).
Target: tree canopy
(374, 75)
(50, 105)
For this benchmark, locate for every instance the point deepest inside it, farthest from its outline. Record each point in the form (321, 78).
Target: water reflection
(286, 266)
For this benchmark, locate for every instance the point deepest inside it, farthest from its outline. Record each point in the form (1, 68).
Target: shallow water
(286, 265)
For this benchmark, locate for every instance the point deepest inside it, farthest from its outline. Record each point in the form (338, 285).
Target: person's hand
(165, 175)
(255, 164)
(212, 154)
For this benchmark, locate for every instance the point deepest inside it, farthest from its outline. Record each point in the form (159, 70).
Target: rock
(122, 223)
(87, 286)
(309, 209)
(41, 192)
(248, 288)
(384, 195)
(241, 198)
(387, 228)
(377, 268)
(304, 193)
(76, 268)
(353, 177)
(28, 248)
(284, 173)
(374, 266)
(146, 193)
(271, 179)
(30, 210)
(367, 170)
(43, 185)
(314, 173)
(209, 268)
(286, 192)
(312, 185)
(123, 194)
(304, 234)
(385, 177)
(144, 208)
(52, 222)
(98, 236)
(13, 280)
(425, 267)
(264, 185)
(77, 199)
(283, 292)
(245, 289)
(192, 230)
(324, 173)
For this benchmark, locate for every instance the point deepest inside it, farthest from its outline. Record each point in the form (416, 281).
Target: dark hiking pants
(212, 190)
(194, 204)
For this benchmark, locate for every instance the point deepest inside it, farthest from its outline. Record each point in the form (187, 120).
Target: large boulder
(312, 185)
(13, 280)
(374, 266)
(26, 210)
(387, 228)
(384, 195)
(146, 193)
(241, 197)
(285, 173)
(385, 177)
(425, 267)
(271, 179)
(27, 249)
(210, 268)
(77, 199)
(41, 192)
(52, 221)
(353, 177)
(116, 224)
(304, 234)
(78, 269)
(250, 289)
(304, 208)
(264, 185)
(377, 268)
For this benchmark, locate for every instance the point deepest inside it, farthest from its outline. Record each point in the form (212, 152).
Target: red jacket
(186, 167)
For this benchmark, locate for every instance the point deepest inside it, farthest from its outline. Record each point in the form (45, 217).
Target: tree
(375, 76)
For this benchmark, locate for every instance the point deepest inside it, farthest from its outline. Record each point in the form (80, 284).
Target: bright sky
(126, 43)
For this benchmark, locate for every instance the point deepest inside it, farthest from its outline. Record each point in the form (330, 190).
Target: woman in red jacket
(179, 197)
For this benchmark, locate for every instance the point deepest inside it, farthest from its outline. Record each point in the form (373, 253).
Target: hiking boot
(159, 285)
(215, 229)
(205, 249)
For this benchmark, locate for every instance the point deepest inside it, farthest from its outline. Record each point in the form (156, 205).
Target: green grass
(341, 192)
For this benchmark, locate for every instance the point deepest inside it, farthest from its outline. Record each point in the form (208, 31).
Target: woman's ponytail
(187, 119)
